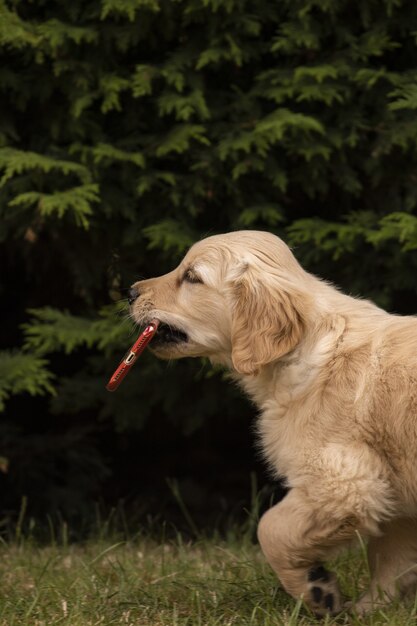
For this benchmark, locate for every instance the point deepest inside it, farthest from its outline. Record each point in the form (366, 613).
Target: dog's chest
(285, 421)
(282, 444)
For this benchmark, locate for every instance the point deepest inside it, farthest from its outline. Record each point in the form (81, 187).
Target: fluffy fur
(334, 378)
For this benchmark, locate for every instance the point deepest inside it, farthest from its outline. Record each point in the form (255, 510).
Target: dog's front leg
(296, 537)
(392, 560)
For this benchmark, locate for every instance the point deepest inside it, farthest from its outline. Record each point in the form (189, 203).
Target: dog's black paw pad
(319, 573)
(329, 601)
(317, 594)
(323, 595)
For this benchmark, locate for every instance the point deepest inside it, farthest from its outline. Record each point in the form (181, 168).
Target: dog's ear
(267, 323)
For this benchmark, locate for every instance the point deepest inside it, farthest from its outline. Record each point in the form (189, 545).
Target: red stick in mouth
(130, 358)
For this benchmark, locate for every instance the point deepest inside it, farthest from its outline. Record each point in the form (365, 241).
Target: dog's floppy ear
(267, 323)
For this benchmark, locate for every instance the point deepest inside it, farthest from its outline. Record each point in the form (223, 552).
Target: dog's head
(238, 298)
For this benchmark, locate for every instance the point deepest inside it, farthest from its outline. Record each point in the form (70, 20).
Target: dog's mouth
(168, 334)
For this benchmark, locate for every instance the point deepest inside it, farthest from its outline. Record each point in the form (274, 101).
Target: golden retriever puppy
(335, 380)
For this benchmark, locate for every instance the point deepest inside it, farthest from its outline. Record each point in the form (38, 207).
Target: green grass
(143, 582)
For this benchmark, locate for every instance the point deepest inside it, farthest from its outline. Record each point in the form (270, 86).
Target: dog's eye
(191, 277)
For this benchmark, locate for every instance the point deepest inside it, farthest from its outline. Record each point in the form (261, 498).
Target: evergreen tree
(131, 128)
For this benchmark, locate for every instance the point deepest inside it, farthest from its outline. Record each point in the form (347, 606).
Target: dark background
(129, 130)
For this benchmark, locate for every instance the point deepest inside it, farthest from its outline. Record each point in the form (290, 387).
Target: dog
(335, 381)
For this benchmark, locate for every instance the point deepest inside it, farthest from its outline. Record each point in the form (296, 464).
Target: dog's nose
(132, 294)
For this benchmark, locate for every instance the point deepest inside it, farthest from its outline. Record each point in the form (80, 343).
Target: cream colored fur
(335, 380)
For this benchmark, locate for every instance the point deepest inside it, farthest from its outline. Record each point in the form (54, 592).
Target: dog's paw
(367, 604)
(323, 595)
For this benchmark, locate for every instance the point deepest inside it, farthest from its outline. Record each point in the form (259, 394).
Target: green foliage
(23, 373)
(77, 199)
(127, 8)
(170, 235)
(130, 129)
(15, 162)
(51, 330)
